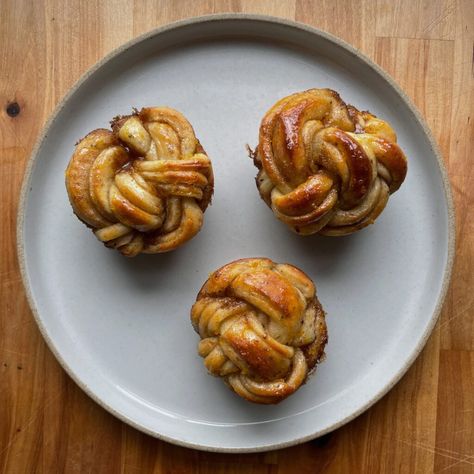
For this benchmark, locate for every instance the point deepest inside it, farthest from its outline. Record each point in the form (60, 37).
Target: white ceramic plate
(120, 327)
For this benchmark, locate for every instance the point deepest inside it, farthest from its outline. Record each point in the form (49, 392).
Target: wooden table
(425, 424)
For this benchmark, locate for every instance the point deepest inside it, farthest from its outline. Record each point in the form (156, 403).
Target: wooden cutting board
(425, 424)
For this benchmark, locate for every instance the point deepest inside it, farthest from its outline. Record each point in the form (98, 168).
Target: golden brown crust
(324, 166)
(77, 175)
(144, 186)
(262, 328)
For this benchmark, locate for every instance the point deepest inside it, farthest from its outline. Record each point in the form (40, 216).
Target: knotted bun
(324, 166)
(144, 186)
(262, 328)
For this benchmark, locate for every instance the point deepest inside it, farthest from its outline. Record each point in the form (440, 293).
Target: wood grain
(425, 424)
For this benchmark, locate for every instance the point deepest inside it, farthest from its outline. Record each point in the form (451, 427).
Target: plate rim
(219, 17)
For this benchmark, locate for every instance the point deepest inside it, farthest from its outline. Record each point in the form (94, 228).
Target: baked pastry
(144, 186)
(324, 166)
(262, 328)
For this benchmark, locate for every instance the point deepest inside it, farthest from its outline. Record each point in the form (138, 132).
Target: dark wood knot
(13, 109)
